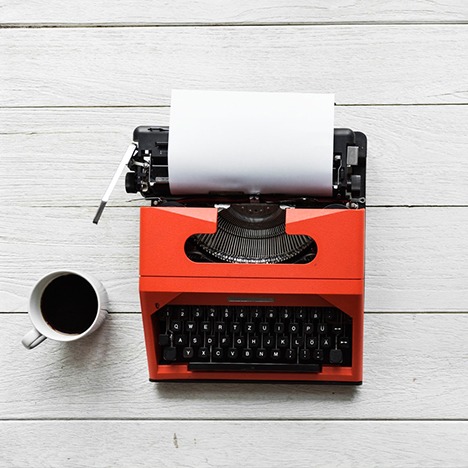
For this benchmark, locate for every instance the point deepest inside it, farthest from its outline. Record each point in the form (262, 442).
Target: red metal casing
(334, 278)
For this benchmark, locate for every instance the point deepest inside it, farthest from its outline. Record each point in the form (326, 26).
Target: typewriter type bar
(242, 287)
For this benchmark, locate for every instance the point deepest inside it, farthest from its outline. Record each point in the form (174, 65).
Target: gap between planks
(227, 24)
(253, 419)
(367, 206)
(406, 312)
(165, 106)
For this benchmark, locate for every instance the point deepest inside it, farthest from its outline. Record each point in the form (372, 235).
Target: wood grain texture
(244, 443)
(413, 370)
(414, 153)
(239, 12)
(139, 66)
(89, 403)
(415, 257)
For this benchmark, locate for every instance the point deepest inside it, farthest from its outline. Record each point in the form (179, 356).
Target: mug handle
(32, 339)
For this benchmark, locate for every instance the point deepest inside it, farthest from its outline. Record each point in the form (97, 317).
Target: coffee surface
(69, 304)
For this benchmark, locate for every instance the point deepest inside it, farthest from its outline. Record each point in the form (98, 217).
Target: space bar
(257, 367)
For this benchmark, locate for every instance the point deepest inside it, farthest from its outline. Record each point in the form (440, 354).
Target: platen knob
(130, 183)
(355, 183)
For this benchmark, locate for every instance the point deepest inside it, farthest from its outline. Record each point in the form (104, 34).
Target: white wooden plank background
(200, 12)
(71, 93)
(139, 66)
(235, 443)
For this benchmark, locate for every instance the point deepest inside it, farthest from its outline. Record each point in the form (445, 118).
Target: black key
(326, 342)
(317, 354)
(293, 328)
(246, 367)
(290, 355)
(170, 353)
(322, 328)
(227, 313)
(190, 326)
(235, 327)
(261, 354)
(249, 327)
(311, 342)
(316, 315)
(218, 354)
(254, 341)
(279, 327)
(285, 314)
(300, 315)
(343, 343)
(308, 328)
(242, 313)
(212, 312)
(247, 353)
(180, 340)
(225, 341)
(203, 353)
(304, 355)
(256, 314)
(164, 340)
(298, 341)
(283, 342)
(268, 341)
(275, 354)
(232, 353)
(210, 340)
(183, 313)
(176, 326)
(271, 314)
(206, 327)
(195, 340)
(337, 329)
(336, 356)
(239, 341)
(188, 353)
(197, 312)
(220, 327)
(264, 327)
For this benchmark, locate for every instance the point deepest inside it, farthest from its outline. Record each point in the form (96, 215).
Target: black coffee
(69, 304)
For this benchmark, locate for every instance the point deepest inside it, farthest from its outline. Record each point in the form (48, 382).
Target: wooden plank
(414, 368)
(239, 12)
(230, 444)
(414, 256)
(139, 66)
(414, 153)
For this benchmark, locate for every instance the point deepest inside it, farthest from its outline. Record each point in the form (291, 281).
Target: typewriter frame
(335, 277)
(167, 276)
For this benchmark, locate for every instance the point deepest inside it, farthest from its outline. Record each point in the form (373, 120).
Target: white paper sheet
(256, 143)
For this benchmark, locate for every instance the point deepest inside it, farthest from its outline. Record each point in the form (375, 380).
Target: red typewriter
(238, 287)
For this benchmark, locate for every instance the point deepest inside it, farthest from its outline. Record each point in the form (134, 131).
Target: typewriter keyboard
(272, 339)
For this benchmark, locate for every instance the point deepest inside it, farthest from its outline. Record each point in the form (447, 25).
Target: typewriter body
(251, 287)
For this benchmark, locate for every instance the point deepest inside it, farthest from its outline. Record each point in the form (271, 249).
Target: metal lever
(125, 160)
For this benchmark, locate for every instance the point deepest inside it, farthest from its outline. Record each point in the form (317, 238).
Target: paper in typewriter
(251, 142)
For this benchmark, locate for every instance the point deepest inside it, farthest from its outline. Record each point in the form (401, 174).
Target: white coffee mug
(55, 305)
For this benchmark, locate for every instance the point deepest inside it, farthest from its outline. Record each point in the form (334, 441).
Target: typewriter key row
(294, 339)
